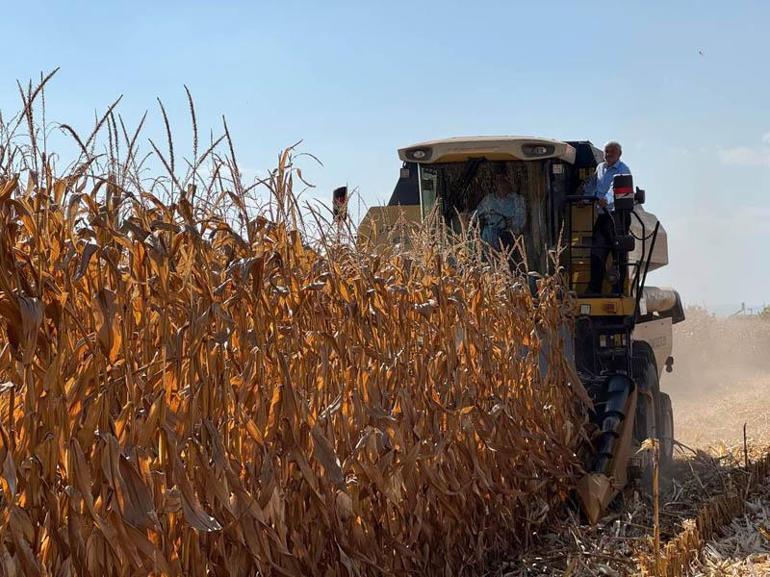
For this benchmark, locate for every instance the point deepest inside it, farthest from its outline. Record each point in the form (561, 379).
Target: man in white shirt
(600, 183)
(600, 186)
(502, 213)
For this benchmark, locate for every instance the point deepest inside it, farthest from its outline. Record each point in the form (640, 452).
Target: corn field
(191, 385)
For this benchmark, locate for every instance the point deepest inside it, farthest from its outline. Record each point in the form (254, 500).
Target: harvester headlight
(532, 150)
(419, 154)
(615, 340)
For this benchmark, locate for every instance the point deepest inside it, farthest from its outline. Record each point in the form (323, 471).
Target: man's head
(502, 185)
(612, 152)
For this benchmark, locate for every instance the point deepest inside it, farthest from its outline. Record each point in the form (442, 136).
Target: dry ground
(721, 380)
(721, 383)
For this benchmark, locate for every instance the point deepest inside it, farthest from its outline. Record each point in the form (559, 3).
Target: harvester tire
(666, 431)
(654, 419)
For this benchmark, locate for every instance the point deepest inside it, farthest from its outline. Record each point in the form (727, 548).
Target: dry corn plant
(190, 388)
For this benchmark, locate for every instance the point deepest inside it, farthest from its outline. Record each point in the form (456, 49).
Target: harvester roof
(462, 148)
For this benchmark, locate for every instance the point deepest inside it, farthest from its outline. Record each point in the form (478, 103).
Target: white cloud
(672, 150)
(747, 155)
(740, 220)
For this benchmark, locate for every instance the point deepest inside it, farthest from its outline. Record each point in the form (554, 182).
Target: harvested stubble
(679, 553)
(181, 398)
(743, 548)
(697, 504)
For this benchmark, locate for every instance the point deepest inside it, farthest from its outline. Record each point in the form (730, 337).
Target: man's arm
(480, 214)
(589, 186)
(482, 207)
(518, 216)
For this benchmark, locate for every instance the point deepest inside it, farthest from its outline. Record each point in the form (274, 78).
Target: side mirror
(640, 196)
(340, 203)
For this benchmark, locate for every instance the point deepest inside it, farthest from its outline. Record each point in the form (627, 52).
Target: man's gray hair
(613, 144)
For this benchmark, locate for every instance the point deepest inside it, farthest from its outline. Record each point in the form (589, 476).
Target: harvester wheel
(655, 420)
(666, 430)
(644, 429)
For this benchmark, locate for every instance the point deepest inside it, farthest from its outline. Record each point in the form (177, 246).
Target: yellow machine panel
(388, 225)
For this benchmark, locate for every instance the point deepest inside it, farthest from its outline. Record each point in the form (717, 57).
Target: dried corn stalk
(184, 396)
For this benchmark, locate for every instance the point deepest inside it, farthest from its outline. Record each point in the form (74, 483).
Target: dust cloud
(721, 380)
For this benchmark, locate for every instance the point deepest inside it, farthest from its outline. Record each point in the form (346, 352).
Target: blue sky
(357, 80)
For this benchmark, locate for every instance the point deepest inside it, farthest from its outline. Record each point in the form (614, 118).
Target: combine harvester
(622, 335)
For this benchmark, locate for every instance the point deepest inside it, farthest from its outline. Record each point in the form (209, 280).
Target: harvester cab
(622, 334)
